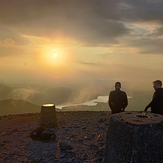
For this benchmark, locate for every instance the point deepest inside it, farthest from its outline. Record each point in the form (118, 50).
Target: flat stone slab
(134, 138)
(136, 118)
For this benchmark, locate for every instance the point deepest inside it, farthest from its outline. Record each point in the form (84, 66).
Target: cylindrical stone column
(48, 117)
(134, 138)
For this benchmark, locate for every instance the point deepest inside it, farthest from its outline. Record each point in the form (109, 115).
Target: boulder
(36, 133)
(134, 138)
(48, 134)
(65, 145)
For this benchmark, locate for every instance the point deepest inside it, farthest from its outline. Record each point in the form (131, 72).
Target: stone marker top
(136, 118)
(48, 105)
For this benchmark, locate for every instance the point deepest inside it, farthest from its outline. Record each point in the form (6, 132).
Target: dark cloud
(148, 45)
(157, 32)
(88, 63)
(90, 22)
(143, 10)
(81, 20)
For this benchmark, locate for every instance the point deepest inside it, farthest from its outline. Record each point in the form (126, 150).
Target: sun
(55, 55)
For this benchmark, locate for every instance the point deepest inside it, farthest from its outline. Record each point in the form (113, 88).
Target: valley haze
(28, 98)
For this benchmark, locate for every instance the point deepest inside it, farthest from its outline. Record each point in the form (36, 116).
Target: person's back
(157, 107)
(117, 99)
(157, 102)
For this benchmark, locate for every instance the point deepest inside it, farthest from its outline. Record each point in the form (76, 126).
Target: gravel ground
(85, 131)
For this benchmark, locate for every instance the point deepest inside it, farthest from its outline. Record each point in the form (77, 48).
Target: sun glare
(55, 55)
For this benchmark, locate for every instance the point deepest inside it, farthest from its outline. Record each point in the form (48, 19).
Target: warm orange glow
(54, 62)
(55, 55)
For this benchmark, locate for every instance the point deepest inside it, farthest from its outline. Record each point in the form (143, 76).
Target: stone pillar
(48, 117)
(134, 138)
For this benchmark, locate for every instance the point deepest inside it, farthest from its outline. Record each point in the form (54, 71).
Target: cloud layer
(102, 37)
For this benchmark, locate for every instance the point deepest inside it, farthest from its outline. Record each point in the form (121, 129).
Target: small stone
(65, 145)
(36, 133)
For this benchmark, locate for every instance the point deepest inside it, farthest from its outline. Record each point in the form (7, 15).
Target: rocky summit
(80, 137)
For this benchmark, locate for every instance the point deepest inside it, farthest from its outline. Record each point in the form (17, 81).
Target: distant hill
(56, 96)
(11, 106)
(4, 91)
(37, 94)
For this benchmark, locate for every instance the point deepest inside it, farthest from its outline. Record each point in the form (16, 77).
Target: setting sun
(55, 55)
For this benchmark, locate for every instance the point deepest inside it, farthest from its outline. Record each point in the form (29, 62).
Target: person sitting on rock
(156, 104)
(117, 99)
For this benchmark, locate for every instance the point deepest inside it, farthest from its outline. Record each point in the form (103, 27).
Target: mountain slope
(11, 106)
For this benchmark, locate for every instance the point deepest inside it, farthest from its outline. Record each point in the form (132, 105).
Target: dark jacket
(157, 102)
(117, 101)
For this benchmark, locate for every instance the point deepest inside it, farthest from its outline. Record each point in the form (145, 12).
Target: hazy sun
(55, 55)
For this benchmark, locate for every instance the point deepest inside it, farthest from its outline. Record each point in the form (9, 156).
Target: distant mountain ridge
(23, 98)
(10, 106)
(26, 98)
(4, 91)
(38, 94)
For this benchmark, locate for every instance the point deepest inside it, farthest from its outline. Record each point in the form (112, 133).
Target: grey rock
(84, 157)
(93, 147)
(65, 145)
(98, 160)
(36, 133)
(132, 139)
(100, 152)
(48, 134)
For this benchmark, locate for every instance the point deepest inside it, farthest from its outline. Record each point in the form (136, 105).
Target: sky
(74, 41)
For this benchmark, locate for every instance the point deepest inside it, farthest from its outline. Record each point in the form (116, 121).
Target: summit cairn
(48, 117)
(134, 138)
(47, 124)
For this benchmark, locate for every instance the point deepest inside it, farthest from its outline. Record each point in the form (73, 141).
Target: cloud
(88, 63)
(147, 44)
(22, 93)
(141, 10)
(90, 23)
(83, 21)
(158, 32)
(7, 42)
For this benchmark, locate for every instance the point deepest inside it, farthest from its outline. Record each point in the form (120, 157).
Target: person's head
(117, 85)
(157, 84)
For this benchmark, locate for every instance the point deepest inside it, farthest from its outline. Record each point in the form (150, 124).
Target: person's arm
(146, 108)
(125, 103)
(155, 97)
(110, 101)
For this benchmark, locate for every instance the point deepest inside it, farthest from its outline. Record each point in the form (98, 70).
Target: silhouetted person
(156, 104)
(117, 99)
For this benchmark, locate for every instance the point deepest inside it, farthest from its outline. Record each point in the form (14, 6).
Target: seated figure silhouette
(156, 104)
(117, 99)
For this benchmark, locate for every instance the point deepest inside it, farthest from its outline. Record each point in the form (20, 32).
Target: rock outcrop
(134, 138)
